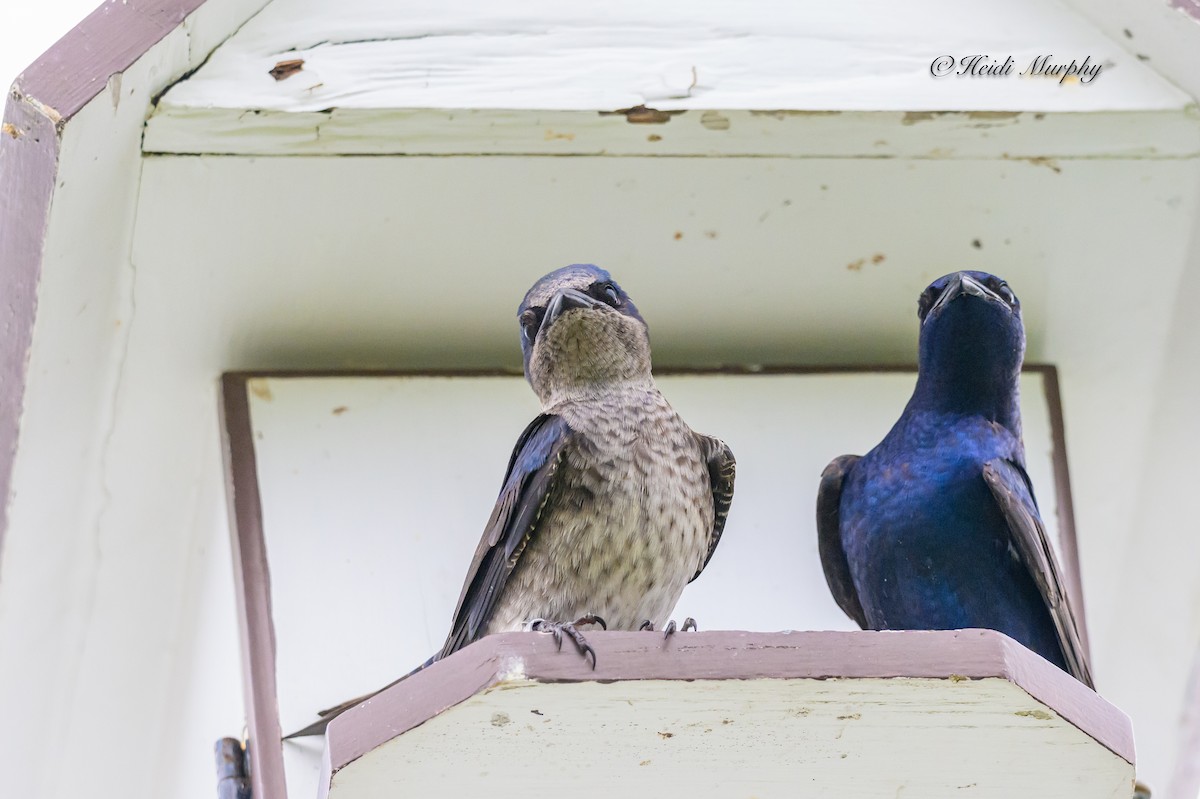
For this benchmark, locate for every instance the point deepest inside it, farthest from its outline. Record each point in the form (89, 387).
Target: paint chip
(285, 69)
(1036, 714)
(665, 735)
(714, 120)
(500, 719)
(260, 388)
(641, 115)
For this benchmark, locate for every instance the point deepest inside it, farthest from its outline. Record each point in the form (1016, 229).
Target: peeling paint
(913, 117)
(1041, 715)
(993, 116)
(714, 120)
(641, 115)
(1037, 160)
(260, 388)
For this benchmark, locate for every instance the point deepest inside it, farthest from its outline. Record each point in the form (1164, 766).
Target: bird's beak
(962, 286)
(564, 301)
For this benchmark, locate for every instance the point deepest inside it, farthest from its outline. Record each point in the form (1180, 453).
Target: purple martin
(936, 528)
(610, 504)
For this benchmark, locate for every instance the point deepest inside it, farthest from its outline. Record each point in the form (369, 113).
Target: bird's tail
(330, 713)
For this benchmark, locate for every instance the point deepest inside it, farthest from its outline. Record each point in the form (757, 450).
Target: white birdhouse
(332, 201)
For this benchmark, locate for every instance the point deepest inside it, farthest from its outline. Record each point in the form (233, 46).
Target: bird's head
(581, 334)
(972, 337)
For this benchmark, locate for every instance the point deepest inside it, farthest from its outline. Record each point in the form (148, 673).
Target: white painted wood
(941, 135)
(115, 598)
(375, 491)
(764, 738)
(1166, 550)
(106, 647)
(473, 77)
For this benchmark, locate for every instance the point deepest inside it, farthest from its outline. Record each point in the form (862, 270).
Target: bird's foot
(559, 628)
(688, 624)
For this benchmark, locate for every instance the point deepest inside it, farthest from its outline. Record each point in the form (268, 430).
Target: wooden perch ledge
(866, 714)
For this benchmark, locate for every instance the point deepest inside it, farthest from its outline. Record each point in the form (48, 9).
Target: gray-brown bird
(611, 504)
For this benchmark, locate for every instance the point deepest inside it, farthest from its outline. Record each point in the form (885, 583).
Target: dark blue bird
(936, 528)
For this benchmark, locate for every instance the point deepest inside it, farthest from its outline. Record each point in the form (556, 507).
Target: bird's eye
(1006, 294)
(529, 325)
(607, 293)
(928, 300)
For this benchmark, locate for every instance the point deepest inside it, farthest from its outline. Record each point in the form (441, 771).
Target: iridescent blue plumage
(937, 526)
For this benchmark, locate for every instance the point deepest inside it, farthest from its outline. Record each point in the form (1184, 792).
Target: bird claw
(688, 624)
(558, 628)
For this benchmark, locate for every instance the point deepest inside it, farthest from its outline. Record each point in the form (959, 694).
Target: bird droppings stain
(678, 235)
(958, 678)
(536, 712)
(1128, 33)
(1036, 714)
(552, 135)
(285, 69)
(712, 234)
(786, 203)
(644, 763)
(654, 137)
(726, 721)
(855, 266)
(850, 717)
(260, 388)
(666, 735)
(877, 258)
(714, 120)
(339, 410)
(1039, 116)
(1141, 57)
(844, 755)
(500, 719)
(977, 244)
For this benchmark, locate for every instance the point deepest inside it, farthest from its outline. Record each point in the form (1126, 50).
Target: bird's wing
(1014, 494)
(721, 471)
(528, 485)
(829, 538)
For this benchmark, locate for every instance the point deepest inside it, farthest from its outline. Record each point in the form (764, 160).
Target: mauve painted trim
(496, 659)
(252, 578)
(47, 94)
(107, 42)
(28, 166)
(1189, 7)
